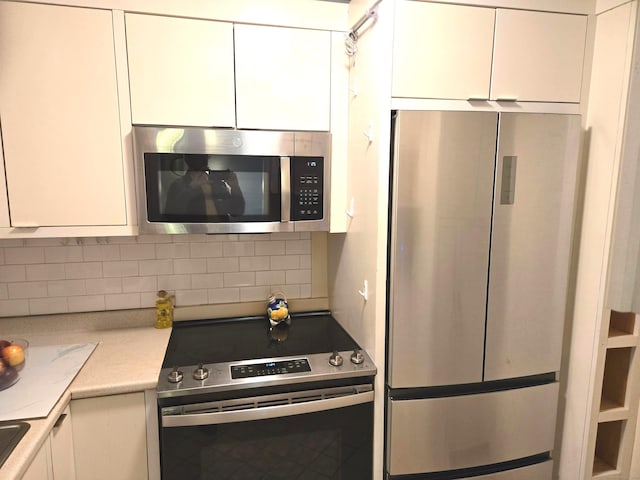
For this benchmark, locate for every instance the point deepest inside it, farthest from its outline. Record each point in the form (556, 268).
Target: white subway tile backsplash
(298, 276)
(205, 250)
(13, 273)
(239, 279)
(206, 280)
(100, 286)
(228, 264)
(14, 308)
(298, 247)
(86, 303)
(27, 290)
(41, 306)
(172, 250)
(254, 294)
(120, 269)
(101, 253)
(224, 295)
(270, 248)
(23, 255)
(189, 265)
(156, 267)
(83, 270)
(238, 249)
(137, 252)
(174, 282)
(284, 262)
(139, 284)
(191, 297)
(66, 288)
(122, 301)
(254, 264)
(39, 276)
(52, 271)
(63, 254)
(270, 278)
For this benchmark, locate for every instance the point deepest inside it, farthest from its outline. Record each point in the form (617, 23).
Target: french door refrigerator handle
(262, 413)
(508, 181)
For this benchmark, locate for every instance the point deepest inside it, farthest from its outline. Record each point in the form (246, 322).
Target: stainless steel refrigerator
(482, 211)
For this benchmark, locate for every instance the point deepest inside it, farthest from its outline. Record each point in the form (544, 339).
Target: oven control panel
(270, 368)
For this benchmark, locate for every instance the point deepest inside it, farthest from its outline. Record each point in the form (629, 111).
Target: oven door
(323, 434)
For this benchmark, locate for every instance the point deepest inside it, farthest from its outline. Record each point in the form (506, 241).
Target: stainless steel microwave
(206, 180)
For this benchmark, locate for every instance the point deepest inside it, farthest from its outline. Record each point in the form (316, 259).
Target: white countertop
(125, 360)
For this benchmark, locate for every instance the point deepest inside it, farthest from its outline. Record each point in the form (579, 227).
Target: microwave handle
(285, 189)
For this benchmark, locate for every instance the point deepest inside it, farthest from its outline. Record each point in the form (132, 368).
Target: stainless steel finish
(285, 185)
(440, 434)
(508, 181)
(229, 142)
(539, 471)
(531, 243)
(357, 357)
(175, 375)
(336, 359)
(443, 189)
(201, 372)
(268, 406)
(220, 380)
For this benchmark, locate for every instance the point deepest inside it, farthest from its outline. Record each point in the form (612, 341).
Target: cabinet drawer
(448, 433)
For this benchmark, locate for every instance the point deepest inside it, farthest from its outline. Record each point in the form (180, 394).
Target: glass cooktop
(246, 338)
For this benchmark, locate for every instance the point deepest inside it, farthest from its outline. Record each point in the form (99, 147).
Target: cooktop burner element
(212, 356)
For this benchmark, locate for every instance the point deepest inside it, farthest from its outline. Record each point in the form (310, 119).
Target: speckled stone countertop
(128, 358)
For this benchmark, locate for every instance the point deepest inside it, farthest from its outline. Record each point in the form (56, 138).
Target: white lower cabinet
(54, 460)
(110, 438)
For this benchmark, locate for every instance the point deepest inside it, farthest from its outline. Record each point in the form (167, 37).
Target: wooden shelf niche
(613, 403)
(608, 448)
(623, 329)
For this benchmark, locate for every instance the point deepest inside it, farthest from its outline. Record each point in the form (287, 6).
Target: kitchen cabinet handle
(60, 420)
(25, 225)
(507, 99)
(264, 412)
(477, 99)
(508, 186)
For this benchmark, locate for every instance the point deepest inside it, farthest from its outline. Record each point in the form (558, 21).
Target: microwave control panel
(307, 186)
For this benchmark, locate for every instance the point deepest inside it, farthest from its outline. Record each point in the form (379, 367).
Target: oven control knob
(335, 359)
(175, 375)
(357, 357)
(201, 372)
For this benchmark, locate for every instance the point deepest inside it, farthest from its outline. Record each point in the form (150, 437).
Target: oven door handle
(262, 413)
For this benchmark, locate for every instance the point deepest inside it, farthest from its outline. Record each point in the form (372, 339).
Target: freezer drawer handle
(508, 189)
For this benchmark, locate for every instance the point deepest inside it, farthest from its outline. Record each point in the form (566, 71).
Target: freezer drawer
(448, 433)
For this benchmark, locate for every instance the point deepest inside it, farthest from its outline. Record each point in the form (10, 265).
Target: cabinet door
(442, 51)
(60, 118)
(538, 56)
(530, 243)
(180, 71)
(282, 78)
(443, 187)
(109, 437)
(61, 438)
(40, 467)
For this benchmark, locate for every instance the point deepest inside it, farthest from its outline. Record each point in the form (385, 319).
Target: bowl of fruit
(13, 357)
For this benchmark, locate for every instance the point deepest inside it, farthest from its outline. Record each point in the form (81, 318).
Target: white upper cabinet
(459, 52)
(60, 116)
(180, 71)
(282, 78)
(442, 51)
(538, 56)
